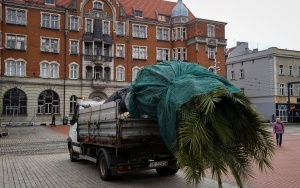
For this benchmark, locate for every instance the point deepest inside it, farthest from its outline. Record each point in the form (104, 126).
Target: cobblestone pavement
(37, 156)
(32, 139)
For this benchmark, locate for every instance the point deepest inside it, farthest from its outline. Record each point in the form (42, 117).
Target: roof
(150, 8)
(180, 10)
(41, 3)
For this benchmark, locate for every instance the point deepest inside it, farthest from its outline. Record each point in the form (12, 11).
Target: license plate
(155, 164)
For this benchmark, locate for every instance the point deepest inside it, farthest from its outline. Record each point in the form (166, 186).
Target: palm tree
(221, 132)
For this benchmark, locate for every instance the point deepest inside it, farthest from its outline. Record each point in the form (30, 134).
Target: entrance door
(283, 113)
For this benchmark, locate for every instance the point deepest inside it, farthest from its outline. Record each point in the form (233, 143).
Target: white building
(264, 77)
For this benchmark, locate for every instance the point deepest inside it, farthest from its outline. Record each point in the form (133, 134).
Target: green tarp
(160, 89)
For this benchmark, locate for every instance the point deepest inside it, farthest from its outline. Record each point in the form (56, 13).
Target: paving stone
(38, 157)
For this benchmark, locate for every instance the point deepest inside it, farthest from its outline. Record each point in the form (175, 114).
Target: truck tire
(103, 167)
(166, 171)
(72, 155)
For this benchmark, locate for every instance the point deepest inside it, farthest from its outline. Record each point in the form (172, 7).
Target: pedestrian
(278, 129)
(273, 118)
(53, 120)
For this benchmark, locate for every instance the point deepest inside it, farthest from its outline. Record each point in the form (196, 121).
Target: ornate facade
(54, 51)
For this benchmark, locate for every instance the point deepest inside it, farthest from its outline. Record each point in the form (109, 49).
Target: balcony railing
(97, 58)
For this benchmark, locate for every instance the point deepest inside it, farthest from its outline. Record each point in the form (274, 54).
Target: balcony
(94, 58)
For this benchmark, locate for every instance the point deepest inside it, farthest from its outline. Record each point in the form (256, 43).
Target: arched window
(15, 68)
(72, 104)
(49, 70)
(120, 76)
(14, 102)
(89, 73)
(73, 71)
(98, 72)
(107, 74)
(48, 102)
(135, 70)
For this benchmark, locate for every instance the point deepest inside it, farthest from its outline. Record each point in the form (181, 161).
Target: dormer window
(138, 13)
(161, 18)
(52, 2)
(98, 5)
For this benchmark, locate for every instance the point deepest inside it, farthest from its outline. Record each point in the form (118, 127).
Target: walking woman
(278, 129)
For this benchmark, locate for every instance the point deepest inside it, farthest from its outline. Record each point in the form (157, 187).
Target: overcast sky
(261, 23)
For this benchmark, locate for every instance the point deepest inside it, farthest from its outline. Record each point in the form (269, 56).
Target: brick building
(53, 51)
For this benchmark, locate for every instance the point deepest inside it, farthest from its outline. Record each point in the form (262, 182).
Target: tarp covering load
(159, 90)
(203, 119)
(121, 95)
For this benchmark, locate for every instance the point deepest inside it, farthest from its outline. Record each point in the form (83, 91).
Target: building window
(16, 16)
(298, 70)
(179, 33)
(15, 68)
(212, 69)
(162, 54)
(106, 27)
(281, 70)
(290, 70)
(210, 30)
(16, 42)
(49, 70)
(139, 52)
(50, 2)
(162, 33)
(120, 52)
(50, 21)
(49, 45)
(138, 13)
(120, 28)
(89, 25)
(211, 53)
(73, 71)
(73, 104)
(298, 89)
(179, 54)
(243, 90)
(98, 73)
(120, 76)
(161, 18)
(74, 23)
(139, 31)
(98, 5)
(48, 102)
(232, 75)
(242, 74)
(135, 70)
(74, 47)
(281, 89)
(14, 102)
(291, 89)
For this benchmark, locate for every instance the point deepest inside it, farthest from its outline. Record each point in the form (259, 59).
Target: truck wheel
(72, 155)
(104, 171)
(166, 171)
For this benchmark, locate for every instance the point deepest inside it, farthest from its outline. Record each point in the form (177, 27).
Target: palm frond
(221, 131)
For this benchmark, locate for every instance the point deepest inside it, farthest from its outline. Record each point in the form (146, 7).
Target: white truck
(117, 143)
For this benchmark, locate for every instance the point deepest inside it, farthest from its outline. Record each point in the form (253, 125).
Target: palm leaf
(221, 131)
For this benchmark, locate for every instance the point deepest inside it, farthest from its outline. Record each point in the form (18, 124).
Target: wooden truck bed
(102, 125)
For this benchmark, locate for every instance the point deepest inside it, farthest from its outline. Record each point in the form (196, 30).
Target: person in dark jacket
(278, 129)
(53, 120)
